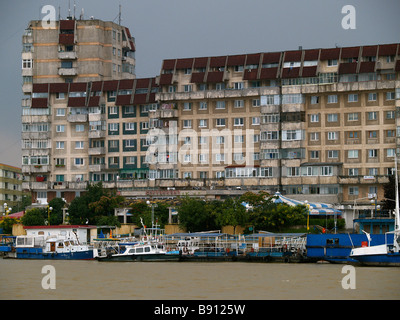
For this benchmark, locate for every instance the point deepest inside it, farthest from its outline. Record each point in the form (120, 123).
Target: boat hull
(141, 257)
(380, 260)
(40, 255)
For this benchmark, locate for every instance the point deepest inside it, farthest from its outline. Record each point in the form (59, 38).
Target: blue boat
(337, 248)
(388, 253)
(54, 248)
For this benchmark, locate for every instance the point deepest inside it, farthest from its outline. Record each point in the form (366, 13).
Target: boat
(149, 248)
(51, 248)
(387, 254)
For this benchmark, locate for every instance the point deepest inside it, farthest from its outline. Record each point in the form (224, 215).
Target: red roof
(61, 226)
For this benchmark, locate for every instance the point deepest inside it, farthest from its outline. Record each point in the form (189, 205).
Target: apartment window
(373, 171)
(78, 144)
(27, 64)
(314, 99)
(239, 139)
(372, 153)
(314, 136)
(113, 126)
(60, 178)
(390, 96)
(333, 135)
(353, 171)
(130, 126)
(293, 171)
(202, 123)
(332, 62)
(372, 96)
(188, 71)
(60, 144)
(187, 88)
(332, 117)
(390, 153)
(353, 191)
(203, 158)
(238, 122)
(187, 106)
(255, 121)
(269, 135)
(239, 103)
(203, 105)
(220, 157)
(352, 154)
(187, 123)
(352, 116)
(332, 98)
(314, 118)
(353, 97)
(238, 85)
(220, 140)
(113, 110)
(202, 140)
(314, 154)
(79, 128)
(390, 115)
(60, 112)
(220, 122)
(326, 171)
(372, 115)
(333, 154)
(238, 157)
(78, 161)
(220, 105)
(256, 102)
(271, 118)
(60, 128)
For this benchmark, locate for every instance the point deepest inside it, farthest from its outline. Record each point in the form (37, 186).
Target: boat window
(61, 245)
(332, 241)
(147, 249)
(131, 251)
(139, 250)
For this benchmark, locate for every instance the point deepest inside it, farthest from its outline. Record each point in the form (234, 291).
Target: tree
(34, 217)
(56, 214)
(195, 215)
(233, 213)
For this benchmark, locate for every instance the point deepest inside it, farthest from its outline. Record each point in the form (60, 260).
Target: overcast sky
(166, 29)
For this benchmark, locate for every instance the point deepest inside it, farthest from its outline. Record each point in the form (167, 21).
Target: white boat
(52, 248)
(149, 248)
(387, 254)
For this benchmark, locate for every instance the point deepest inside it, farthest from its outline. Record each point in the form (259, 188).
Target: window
(390, 153)
(220, 122)
(372, 96)
(332, 62)
(130, 126)
(220, 140)
(372, 115)
(332, 98)
(269, 135)
(352, 117)
(352, 154)
(390, 96)
(78, 161)
(79, 128)
(60, 128)
(390, 115)
(332, 135)
(314, 136)
(187, 88)
(238, 122)
(314, 154)
(353, 171)
(60, 144)
(202, 123)
(353, 97)
(113, 126)
(187, 123)
(353, 191)
(238, 85)
(220, 157)
(326, 171)
(332, 117)
(314, 99)
(333, 154)
(314, 118)
(239, 103)
(220, 105)
(27, 64)
(372, 153)
(256, 102)
(60, 112)
(78, 144)
(187, 106)
(255, 121)
(239, 139)
(203, 106)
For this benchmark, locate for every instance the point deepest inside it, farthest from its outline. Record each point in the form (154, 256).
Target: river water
(22, 279)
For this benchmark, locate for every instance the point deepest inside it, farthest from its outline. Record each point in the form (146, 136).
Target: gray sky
(187, 28)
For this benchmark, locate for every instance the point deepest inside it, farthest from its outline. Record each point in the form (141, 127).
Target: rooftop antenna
(119, 15)
(69, 10)
(74, 9)
(81, 16)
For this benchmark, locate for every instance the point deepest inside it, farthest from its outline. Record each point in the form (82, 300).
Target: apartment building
(10, 187)
(320, 124)
(76, 51)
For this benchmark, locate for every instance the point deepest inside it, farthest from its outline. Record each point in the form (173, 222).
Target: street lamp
(153, 205)
(308, 214)
(7, 209)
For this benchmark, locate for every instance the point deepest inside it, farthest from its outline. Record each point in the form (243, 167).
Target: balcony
(68, 55)
(67, 71)
(96, 167)
(97, 151)
(96, 134)
(166, 114)
(77, 118)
